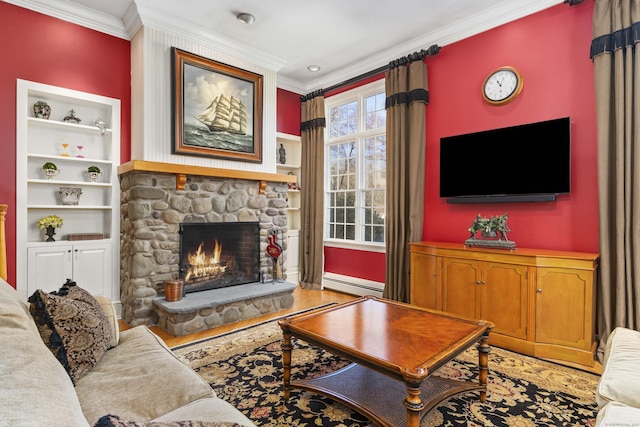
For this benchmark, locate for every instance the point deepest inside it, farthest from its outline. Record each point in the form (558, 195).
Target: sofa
(618, 393)
(135, 381)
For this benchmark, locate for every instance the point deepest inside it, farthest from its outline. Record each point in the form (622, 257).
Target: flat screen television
(530, 162)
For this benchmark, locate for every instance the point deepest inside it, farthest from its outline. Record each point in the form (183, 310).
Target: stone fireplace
(159, 202)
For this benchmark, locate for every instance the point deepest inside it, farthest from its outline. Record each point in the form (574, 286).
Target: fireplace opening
(217, 255)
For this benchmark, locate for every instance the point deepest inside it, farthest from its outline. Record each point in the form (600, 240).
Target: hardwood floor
(303, 299)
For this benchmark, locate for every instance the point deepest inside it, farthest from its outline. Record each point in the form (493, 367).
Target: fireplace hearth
(217, 255)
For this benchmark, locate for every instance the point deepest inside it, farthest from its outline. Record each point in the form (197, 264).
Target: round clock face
(502, 86)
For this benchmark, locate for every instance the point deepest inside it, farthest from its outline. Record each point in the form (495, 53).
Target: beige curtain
(312, 195)
(407, 97)
(616, 32)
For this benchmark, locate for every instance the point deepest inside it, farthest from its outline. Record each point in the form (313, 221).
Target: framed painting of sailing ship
(217, 109)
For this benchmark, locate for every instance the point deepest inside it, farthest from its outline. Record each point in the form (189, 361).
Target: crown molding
(76, 14)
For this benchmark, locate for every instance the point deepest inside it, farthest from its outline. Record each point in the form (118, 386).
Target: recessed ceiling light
(313, 68)
(247, 18)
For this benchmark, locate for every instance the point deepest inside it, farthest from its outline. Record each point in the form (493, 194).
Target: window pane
(350, 232)
(376, 114)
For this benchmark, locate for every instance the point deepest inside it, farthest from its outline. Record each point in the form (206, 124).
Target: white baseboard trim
(352, 285)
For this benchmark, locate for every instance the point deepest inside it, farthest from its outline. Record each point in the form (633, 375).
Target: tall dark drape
(616, 33)
(407, 96)
(312, 196)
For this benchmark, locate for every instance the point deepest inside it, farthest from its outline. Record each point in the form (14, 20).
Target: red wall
(287, 112)
(551, 50)
(47, 50)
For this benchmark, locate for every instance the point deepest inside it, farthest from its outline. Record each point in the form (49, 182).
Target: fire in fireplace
(216, 255)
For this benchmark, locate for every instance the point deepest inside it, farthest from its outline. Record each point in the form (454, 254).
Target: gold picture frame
(217, 109)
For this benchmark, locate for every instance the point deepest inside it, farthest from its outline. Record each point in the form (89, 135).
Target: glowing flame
(203, 265)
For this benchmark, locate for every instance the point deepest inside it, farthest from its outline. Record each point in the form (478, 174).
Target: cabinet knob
(483, 283)
(69, 251)
(539, 291)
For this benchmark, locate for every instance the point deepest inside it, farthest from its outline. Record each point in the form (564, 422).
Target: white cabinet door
(88, 264)
(92, 267)
(49, 267)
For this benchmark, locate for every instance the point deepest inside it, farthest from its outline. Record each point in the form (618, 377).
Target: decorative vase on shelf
(50, 231)
(41, 110)
(70, 195)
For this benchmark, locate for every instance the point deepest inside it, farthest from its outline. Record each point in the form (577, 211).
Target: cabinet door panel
(424, 278)
(563, 307)
(92, 268)
(505, 298)
(48, 267)
(460, 279)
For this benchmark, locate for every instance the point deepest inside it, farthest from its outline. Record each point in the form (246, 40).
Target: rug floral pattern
(245, 369)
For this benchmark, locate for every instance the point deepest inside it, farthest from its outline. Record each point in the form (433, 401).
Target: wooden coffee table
(395, 348)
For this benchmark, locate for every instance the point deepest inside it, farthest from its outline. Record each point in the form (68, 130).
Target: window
(356, 166)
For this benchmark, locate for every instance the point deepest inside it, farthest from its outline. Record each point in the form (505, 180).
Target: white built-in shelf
(73, 147)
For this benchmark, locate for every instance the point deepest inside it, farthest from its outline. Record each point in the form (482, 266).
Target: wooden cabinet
(541, 302)
(74, 147)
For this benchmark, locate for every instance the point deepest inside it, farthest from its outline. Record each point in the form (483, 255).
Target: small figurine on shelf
(50, 223)
(50, 170)
(71, 118)
(293, 185)
(282, 159)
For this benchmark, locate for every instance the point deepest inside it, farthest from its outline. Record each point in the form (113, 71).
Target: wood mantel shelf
(181, 172)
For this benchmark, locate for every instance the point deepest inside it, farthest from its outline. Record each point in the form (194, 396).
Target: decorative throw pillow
(115, 421)
(73, 326)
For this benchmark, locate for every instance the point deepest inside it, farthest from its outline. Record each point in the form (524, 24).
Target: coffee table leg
(286, 364)
(414, 405)
(483, 364)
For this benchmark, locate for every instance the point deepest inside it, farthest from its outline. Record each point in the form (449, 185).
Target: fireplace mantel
(181, 172)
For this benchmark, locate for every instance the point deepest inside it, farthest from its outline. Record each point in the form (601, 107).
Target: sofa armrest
(110, 313)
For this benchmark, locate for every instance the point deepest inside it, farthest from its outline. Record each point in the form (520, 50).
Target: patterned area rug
(245, 368)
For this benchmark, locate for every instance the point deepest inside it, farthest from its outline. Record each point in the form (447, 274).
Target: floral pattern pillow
(73, 326)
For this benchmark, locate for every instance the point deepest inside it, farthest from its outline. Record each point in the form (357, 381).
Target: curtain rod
(431, 51)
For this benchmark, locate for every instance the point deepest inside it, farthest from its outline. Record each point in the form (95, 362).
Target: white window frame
(356, 94)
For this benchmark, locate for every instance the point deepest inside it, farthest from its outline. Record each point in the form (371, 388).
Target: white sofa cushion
(617, 414)
(620, 380)
(35, 389)
(139, 380)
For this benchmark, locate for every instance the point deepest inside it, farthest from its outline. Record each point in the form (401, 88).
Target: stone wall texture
(151, 212)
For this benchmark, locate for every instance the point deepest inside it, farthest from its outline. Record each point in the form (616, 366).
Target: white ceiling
(345, 38)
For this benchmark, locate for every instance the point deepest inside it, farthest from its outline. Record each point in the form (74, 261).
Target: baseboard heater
(352, 285)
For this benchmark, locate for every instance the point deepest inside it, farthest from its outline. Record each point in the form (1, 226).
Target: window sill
(369, 247)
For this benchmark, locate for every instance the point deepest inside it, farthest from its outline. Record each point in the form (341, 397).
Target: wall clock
(502, 86)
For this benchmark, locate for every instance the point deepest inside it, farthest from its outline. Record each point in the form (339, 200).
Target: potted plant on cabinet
(49, 224)
(50, 169)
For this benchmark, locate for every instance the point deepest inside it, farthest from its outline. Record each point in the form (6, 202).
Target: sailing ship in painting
(225, 114)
